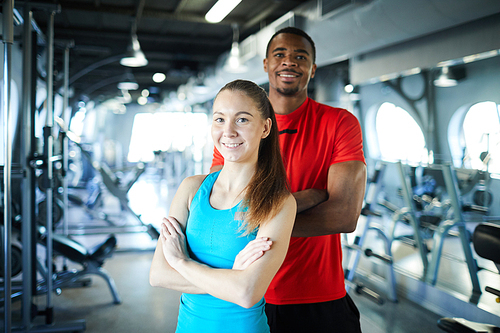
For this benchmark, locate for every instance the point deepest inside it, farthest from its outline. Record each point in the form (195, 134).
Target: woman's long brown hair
(268, 188)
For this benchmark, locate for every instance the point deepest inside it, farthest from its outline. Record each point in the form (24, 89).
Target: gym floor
(148, 309)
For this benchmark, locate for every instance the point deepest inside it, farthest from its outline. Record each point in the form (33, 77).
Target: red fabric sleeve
(348, 140)
(217, 159)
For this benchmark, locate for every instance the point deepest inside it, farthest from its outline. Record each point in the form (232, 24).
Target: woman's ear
(267, 128)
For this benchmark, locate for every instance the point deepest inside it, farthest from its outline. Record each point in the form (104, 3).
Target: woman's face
(238, 127)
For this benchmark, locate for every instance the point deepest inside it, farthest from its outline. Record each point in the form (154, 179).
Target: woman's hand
(252, 252)
(174, 241)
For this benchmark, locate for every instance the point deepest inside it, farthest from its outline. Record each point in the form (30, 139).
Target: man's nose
(288, 60)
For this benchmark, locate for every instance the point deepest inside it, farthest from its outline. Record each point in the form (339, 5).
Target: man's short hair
(295, 31)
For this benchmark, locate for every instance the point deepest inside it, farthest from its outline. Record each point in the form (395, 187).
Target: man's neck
(285, 104)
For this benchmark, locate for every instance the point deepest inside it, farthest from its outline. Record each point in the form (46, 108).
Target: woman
(220, 224)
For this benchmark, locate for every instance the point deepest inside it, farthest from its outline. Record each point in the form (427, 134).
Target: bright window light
(400, 138)
(77, 122)
(166, 131)
(220, 10)
(482, 137)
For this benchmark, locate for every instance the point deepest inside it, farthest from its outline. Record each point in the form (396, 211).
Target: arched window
(481, 132)
(399, 136)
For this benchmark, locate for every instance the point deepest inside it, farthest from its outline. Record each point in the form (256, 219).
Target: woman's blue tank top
(214, 238)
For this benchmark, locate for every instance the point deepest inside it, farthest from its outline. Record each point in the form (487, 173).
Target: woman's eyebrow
(244, 112)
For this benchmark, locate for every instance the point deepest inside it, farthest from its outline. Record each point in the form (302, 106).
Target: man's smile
(288, 74)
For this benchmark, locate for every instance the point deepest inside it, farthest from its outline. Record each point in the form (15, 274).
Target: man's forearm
(340, 212)
(309, 198)
(331, 216)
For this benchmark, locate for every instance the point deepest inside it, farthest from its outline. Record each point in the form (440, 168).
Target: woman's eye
(242, 120)
(218, 120)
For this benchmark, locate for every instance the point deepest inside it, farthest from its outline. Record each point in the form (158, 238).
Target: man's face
(289, 64)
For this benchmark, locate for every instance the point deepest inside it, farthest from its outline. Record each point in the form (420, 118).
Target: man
(323, 156)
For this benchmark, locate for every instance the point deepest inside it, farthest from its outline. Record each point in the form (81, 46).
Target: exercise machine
(113, 183)
(454, 219)
(91, 261)
(486, 241)
(358, 247)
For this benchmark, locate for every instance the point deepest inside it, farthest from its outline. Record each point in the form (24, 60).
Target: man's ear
(265, 65)
(313, 71)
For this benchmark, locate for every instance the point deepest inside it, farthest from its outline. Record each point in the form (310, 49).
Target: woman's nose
(229, 129)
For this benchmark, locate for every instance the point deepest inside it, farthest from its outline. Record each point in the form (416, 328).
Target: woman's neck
(234, 177)
(229, 188)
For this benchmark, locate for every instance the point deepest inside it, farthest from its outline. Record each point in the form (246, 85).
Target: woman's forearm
(163, 275)
(237, 286)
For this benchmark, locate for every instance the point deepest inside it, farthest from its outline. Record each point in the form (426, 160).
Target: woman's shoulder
(192, 183)
(290, 202)
(188, 188)
(288, 205)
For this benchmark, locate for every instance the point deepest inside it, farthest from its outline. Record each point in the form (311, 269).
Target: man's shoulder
(327, 110)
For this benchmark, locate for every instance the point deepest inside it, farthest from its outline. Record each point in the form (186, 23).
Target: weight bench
(90, 260)
(486, 240)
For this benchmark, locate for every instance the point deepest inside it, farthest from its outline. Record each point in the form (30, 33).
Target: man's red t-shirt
(312, 138)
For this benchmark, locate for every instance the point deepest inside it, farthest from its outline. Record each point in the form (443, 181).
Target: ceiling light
(128, 82)
(125, 98)
(142, 100)
(200, 87)
(233, 63)
(127, 85)
(134, 56)
(220, 10)
(159, 77)
(445, 79)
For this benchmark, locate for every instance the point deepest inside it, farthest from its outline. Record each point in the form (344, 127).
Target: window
(166, 131)
(399, 136)
(481, 132)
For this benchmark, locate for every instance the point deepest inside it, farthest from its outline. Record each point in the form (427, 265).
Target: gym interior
(93, 149)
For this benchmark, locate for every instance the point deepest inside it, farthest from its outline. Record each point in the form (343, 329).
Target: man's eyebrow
(301, 51)
(279, 49)
(284, 49)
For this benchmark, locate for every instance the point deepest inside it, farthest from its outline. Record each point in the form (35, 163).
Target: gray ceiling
(173, 34)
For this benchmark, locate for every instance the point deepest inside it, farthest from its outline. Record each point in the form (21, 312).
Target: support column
(8, 40)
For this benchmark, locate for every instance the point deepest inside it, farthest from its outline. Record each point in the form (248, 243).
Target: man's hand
(252, 252)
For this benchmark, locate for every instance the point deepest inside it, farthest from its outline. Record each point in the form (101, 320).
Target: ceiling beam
(146, 12)
(125, 35)
(180, 6)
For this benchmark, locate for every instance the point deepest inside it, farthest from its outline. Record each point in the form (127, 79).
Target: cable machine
(26, 171)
